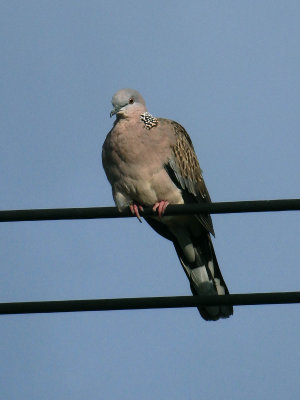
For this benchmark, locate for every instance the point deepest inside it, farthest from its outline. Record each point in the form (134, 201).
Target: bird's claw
(135, 210)
(160, 206)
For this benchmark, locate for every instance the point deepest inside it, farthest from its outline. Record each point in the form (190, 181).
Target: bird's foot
(135, 210)
(160, 206)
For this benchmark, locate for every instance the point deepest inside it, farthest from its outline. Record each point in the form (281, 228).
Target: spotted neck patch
(149, 120)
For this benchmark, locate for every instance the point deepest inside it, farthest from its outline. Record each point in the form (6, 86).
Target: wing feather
(184, 169)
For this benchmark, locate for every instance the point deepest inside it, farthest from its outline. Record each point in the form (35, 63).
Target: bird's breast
(135, 165)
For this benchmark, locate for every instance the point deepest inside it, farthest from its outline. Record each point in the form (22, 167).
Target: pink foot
(135, 210)
(160, 206)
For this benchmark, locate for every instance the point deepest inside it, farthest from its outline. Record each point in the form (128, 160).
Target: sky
(229, 72)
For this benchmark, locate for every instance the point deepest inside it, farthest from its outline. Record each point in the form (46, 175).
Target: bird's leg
(160, 206)
(135, 210)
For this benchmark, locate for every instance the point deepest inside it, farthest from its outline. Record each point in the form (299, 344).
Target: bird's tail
(205, 276)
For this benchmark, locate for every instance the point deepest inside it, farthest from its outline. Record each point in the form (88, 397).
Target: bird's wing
(184, 170)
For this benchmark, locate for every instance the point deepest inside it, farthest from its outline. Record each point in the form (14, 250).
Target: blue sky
(229, 72)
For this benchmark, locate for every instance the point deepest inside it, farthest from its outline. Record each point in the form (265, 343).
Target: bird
(151, 161)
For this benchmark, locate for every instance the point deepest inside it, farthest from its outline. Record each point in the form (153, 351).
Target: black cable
(148, 302)
(112, 212)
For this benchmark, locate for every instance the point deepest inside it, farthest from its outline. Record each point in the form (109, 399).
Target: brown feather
(186, 168)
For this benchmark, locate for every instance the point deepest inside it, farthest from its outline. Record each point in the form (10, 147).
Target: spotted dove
(151, 161)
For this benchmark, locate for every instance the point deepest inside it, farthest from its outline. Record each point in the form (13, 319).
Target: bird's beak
(114, 111)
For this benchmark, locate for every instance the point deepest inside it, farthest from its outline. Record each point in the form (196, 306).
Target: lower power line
(149, 302)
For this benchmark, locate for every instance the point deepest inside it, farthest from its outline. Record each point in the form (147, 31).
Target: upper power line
(112, 212)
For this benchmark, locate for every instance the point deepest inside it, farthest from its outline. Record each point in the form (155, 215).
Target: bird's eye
(131, 100)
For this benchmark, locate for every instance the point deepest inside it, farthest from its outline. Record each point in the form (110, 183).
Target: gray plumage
(151, 161)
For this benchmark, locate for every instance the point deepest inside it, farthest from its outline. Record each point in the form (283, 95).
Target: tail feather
(205, 277)
(204, 273)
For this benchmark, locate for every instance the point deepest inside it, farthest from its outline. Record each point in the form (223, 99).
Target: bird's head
(127, 102)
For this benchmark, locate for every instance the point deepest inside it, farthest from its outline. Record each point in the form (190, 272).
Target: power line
(149, 302)
(112, 212)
